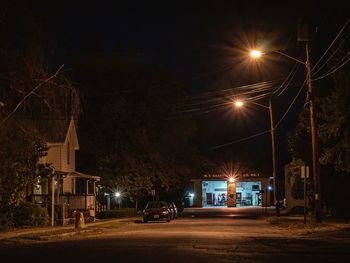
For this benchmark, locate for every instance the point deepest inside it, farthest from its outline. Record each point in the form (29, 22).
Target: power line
(240, 140)
(335, 68)
(289, 78)
(341, 30)
(290, 106)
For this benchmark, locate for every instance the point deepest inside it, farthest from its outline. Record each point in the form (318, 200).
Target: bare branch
(30, 93)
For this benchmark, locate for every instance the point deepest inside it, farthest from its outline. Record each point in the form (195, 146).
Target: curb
(71, 230)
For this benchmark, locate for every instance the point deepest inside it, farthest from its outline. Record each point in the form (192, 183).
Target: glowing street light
(118, 196)
(255, 53)
(238, 103)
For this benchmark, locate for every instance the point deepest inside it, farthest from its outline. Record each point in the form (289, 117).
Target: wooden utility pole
(315, 161)
(274, 174)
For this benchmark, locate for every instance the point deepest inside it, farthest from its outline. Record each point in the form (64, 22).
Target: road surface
(221, 239)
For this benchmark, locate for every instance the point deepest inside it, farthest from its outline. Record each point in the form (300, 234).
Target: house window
(68, 153)
(80, 186)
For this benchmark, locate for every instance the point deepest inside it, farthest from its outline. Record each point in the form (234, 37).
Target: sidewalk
(60, 230)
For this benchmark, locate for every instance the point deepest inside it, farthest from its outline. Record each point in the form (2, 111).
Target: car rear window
(156, 205)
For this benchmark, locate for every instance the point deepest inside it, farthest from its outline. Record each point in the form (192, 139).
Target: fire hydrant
(79, 221)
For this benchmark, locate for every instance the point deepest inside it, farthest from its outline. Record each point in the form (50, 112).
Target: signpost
(153, 193)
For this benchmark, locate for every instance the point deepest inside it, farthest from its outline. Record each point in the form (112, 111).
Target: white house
(71, 189)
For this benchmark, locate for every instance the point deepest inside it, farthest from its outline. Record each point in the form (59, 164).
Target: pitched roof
(52, 130)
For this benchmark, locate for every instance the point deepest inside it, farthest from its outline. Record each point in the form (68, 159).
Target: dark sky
(198, 40)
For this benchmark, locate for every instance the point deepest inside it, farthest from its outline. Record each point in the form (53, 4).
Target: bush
(5, 221)
(29, 214)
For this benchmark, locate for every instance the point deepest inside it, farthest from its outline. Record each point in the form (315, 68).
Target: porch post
(86, 192)
(52, 200)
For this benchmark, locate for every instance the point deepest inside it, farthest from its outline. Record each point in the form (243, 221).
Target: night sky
(203, 43)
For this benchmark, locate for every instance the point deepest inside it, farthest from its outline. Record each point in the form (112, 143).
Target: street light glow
(231, 180)
(255, 53)
(238, 103)
(117, 194)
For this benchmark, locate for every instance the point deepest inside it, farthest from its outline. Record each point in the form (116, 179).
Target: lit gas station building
(241, 190)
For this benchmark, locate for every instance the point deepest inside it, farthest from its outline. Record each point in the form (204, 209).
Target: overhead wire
(215, 97)
(253, 86)
(264, 132)
(334, 69)
(290, 105)
(330, 46)
(240, 140)
(288, 80)
(329, 58)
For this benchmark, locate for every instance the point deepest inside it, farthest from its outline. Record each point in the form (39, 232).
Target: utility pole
(274, 174)
(304, 35)
(315, 161)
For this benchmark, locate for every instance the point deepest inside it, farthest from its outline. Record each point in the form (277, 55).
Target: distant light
(231, 180)
(238, 103)
(269, 188)
(255, 53)
(117, 194)
(191, 194)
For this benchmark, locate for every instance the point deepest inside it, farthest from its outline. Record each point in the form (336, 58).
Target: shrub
(5, 221)
(29, 214)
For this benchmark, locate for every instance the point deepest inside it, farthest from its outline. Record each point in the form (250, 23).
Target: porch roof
(80, 175)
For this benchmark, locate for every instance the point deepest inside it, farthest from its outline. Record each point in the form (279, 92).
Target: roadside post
(262, 199)
(153, 193)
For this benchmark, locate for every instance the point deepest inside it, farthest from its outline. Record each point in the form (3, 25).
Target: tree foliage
(299, 141)
(335, 124)
(20, 151)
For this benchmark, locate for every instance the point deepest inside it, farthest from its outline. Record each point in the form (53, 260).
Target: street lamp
(239, 103)
(312, 107)
(118, 196)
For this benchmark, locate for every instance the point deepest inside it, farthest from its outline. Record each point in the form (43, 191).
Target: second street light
(118, 196)
(239, 103)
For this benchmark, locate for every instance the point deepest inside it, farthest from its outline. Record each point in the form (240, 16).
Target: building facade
(240, 190)
(67, 190)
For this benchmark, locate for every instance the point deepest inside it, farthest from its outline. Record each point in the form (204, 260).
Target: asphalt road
(227, 238)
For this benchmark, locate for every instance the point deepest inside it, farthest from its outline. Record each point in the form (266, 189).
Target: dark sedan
(156, 210)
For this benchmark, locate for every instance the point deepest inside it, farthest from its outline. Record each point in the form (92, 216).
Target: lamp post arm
(261, 105)
(287, 56)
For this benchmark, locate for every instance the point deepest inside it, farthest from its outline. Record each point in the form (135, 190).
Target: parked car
(156, 210)
(173, 208)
